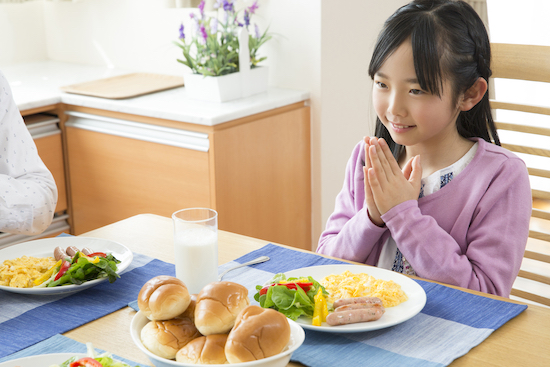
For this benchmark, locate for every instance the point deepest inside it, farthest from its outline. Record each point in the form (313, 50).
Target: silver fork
(258, 260)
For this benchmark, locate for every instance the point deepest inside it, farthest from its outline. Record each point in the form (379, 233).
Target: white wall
(348, 34)
(22, 37)
(323, 46)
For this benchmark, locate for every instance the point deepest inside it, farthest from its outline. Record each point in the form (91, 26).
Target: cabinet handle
(139, 131)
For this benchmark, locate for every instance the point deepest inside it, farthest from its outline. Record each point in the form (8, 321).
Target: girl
(433, 194)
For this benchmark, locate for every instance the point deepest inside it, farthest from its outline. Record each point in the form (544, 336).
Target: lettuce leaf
(292, 303)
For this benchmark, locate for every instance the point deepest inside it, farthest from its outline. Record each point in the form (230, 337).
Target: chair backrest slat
(519, 107)
(523, 62)
(545, 131)
(532, 142)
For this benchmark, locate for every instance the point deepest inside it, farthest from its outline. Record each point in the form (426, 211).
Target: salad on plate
(92, 359)
(295, 297)
(79, 269)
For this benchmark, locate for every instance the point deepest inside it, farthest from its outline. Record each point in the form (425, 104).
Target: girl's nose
(396, 106)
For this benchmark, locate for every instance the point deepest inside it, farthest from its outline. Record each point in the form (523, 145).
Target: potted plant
(222, 55)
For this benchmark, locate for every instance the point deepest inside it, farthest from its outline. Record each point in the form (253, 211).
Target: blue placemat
(451, 323)
(28, 319)
(58, 344)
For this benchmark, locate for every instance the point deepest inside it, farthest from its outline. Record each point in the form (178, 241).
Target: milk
(196, 256)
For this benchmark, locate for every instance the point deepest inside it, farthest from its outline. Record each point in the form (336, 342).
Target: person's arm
(28, 193)
(494, 243)
(349, 232)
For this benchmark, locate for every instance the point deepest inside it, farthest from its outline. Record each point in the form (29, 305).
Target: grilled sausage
(86, 251)
(356, 306)
(71, 250)
(59, 253)
(372, 313)
(347, 301)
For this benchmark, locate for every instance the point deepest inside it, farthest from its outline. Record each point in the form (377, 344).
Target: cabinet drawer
(47, 137)
(119, 168)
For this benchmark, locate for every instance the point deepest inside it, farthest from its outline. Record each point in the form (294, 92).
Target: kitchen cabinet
(254, 171)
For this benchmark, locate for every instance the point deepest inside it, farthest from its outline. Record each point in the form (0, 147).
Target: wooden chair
(523, 125)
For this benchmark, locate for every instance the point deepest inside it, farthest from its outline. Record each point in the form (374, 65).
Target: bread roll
(204, 350)
(163, 298)
(218, 305)
(258, 333)
(165, 338)
(190, 310)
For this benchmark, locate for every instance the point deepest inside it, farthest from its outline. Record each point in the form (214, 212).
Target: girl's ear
(474, 94)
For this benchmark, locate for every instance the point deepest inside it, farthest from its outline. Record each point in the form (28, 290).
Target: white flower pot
(227, 87)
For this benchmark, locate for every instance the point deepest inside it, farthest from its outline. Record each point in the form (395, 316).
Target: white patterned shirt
(28, 193)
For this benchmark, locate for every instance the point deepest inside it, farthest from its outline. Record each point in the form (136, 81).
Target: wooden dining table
(523, 341)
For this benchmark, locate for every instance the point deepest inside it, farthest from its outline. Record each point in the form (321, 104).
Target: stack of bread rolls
(217, 326)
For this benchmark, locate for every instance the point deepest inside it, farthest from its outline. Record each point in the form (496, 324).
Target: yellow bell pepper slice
(320, 310)
(301, 280)
(47, 274)
(93, 260)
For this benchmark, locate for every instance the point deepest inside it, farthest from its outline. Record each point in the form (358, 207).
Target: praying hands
(386, 185)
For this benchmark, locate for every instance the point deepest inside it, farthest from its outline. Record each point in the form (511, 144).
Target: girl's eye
(416, 91)
(381, 85)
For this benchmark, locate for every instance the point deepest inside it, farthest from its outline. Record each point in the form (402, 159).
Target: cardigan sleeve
(489, 256)
(349, 232)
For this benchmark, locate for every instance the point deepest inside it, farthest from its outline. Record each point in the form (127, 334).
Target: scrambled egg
(21, 272)
(348, 285)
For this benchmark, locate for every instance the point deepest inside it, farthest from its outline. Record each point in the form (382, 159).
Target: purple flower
(257, 31)
(228, 6)
(192, 15)
(213, 26)
(196, 25)
(218, 4)
(204, 35)
(246, 18)
(253, 7)
(182, 35)
(201, 7)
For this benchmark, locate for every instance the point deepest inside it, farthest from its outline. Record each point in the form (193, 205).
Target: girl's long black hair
(449, 40)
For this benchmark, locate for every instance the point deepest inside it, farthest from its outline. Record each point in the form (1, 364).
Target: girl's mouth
(400, 128)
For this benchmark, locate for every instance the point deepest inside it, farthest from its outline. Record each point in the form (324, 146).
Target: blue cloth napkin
(58, 344)
(28, 319)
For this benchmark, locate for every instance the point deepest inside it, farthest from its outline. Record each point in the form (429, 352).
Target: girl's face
(412, 116)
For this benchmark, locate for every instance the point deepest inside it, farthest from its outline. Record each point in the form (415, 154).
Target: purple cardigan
(472, 233)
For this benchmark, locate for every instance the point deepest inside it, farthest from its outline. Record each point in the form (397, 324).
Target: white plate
(392, 316)
(45, 247)
(43, 360)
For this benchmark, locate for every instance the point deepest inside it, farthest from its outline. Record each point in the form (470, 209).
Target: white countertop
(37, 84)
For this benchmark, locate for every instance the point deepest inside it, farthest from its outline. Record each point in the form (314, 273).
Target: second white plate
(392, 316)
(45, 247)
(41, 360)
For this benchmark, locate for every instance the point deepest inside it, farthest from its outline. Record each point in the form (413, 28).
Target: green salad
(292, 296)
(81, 268)
(92, 360)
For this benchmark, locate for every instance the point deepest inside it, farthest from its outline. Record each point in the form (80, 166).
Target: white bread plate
(297, 336)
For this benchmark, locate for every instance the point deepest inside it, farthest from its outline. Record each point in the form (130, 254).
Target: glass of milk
(196, 247)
